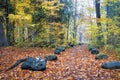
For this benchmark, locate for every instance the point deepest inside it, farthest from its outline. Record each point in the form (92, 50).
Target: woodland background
(37, 27)
(53, 23)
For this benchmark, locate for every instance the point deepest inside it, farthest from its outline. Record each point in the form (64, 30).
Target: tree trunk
(51, 30)
(11, 33)
(7, 22)
(25, 32)
(68, 27)
(2, 33)
(75, 27)
(98, 16)
(9, 26)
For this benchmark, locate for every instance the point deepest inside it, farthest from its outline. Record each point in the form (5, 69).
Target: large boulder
(111, 65)
(58, 50)
(51, 57)
(94, 51)
(34, 64)
(101, 56)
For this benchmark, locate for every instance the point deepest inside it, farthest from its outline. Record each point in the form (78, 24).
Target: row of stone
(106, 65)
(61, 49)
(39, 64)
(34, 63)
(98, 56)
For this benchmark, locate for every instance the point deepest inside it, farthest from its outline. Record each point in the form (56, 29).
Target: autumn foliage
(74, 64)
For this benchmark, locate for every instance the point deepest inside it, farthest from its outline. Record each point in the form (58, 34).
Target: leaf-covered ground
(74, 64)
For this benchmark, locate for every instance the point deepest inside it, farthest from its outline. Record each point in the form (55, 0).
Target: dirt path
(74, 64)
(79, 64)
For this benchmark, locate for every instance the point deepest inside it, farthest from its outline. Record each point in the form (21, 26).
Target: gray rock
(111, 65)
(58, 50)
(94, 51)
(34, 64)
(101, 56)
(90, 48)
(51, 57)
(80, 44)
(71, 44)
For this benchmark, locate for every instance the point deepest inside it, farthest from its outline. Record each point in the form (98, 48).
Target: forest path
(75, 63)
(80, 64)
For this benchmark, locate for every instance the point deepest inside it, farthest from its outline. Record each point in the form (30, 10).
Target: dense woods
(40, 23)
(53, 23)
(71, 29)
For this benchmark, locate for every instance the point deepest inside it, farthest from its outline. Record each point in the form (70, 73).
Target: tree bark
(68, 27)
(98, 16)
(2, 33)
(9, 26)
(75, 27)
(7, 22)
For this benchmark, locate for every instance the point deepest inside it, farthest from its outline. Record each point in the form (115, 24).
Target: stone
(71, 44)
(80, 44)
(90, 48)
(51, 57)
(17, 63)
(66, 47)
(94, 51)
(101, 56)
(58, 50)
(111, 65)
(34, 64)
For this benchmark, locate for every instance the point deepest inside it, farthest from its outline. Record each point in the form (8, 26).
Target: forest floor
(73, 64)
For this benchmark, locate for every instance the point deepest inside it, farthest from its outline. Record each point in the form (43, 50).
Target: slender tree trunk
(2, 33)
(98, 16)
(12, 37)
(75, 27)
(9, 26)
(7, 22)
(25, 32)
(106, 36)
(51, 29)
(11, 33)
(35, 24)
(68, 27)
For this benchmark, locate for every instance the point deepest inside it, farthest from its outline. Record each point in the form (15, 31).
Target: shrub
(109, 47)
(117, 50)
